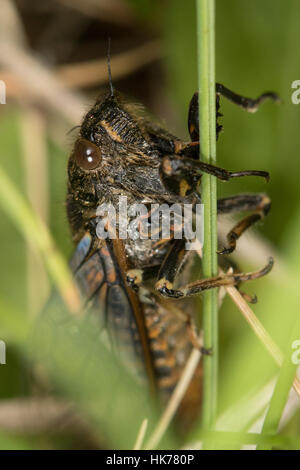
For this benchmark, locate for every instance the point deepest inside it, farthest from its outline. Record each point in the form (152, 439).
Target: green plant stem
(207, 122)
(37, 235)
(282, 388)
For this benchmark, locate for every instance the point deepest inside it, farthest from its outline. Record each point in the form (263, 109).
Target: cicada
(140, 289)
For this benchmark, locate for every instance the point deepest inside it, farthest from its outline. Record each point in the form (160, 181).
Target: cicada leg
(169, 269)
(260, 203)
(248, 104)
(174, 166)
(135, 277)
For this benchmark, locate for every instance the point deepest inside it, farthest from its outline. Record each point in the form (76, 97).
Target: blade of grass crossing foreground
(207, 122)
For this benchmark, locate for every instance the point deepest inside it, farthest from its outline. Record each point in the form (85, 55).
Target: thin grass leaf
(207, 122)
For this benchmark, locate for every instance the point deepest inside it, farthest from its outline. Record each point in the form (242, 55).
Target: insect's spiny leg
(238, 174)
(166, 287)
(173, 165)
(237, 231)
(260, 203)
(248, 104)
(251, 299)
(135, 277)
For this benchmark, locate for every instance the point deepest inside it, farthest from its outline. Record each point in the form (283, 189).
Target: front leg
(172, 263)
(136, 277)
(175, 168)
(259, 203)
(248, 104)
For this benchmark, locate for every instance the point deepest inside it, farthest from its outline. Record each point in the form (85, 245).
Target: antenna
(109, 69)
(73, 129)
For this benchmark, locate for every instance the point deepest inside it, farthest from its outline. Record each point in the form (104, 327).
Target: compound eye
(87, 154)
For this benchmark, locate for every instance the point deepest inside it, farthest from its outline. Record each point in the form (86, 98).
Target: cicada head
(112, 155)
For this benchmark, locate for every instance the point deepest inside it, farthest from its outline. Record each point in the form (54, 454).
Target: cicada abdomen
(149, 337)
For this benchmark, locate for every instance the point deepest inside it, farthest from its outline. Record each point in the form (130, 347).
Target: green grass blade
(207, 120)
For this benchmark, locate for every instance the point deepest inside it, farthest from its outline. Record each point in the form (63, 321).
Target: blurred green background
(256, 51)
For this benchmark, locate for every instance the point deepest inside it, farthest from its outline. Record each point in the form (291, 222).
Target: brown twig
(114, 11)
(175, 399)
(36, 415)
(12, 25)
(40, 82)
(258, 328)
(141, 435)
(94, 72)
